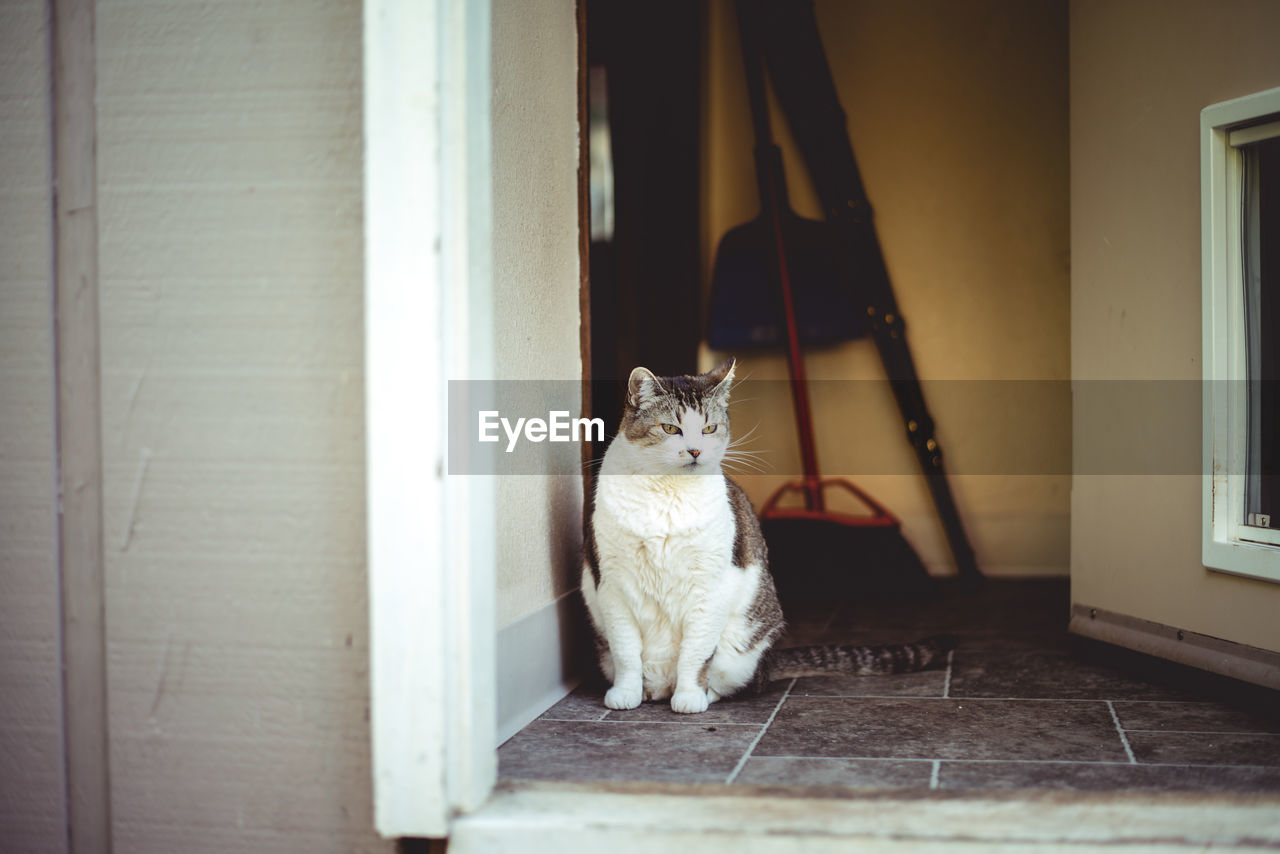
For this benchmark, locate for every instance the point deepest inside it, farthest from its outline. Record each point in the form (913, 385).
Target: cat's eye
(710, 428)
(671, 428)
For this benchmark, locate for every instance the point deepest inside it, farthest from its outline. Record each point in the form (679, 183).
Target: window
(1240, 199)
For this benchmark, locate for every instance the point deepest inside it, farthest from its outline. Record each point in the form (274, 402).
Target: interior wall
(32, 801)
(535, 280)
(958, 115)
(1141, 72)
(231, 294)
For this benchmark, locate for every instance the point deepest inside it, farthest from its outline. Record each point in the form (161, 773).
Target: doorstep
(640, 818)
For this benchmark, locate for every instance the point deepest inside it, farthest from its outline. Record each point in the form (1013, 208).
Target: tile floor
(1021, 704)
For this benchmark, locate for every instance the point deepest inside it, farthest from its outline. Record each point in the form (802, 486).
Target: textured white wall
(535, 269)
(31, 783)
(1140, 74)
(231, 310)
(229, 161)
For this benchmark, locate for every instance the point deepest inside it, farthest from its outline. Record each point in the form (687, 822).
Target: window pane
(1262, 328)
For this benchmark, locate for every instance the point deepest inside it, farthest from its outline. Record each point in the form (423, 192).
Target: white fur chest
(665, 563)
(663, 535)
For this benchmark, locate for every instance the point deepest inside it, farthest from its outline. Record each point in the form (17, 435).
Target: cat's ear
(642, 385)
(721, 376)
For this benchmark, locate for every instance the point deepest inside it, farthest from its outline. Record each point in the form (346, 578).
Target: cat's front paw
(621, 697)
(689, 702)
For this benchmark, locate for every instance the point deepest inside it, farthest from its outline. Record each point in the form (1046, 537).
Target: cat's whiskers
(737, 464)
(597, 462)
(738, 444)
(758, 456)
(745, 455)
(738, 440)
(592, 464)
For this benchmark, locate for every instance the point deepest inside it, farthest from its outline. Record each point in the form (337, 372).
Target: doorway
(1021, 705)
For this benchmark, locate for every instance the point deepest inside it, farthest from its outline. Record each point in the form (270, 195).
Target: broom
(813, 550)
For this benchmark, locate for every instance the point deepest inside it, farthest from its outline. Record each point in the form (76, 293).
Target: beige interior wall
(535, 271)
(1141, 72)
(229, 149)
(958, 115)
(32, 816)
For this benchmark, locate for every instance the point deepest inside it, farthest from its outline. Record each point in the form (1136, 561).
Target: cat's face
(679, 425)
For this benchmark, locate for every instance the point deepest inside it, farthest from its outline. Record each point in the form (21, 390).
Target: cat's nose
(694, 452)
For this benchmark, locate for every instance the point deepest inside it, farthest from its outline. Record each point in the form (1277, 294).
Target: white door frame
(428, 299)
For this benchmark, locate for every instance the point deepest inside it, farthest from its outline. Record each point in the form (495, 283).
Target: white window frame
(1228, 544)
(428, 319)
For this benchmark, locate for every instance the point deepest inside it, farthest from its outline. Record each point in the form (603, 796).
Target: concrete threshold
(621, 818)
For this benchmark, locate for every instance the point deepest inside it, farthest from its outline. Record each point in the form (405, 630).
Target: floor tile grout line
(1019, 699)
(737, 769)
(693, 721)
(1096, 763)
(1124, 739)
(946, 682)
(1206, 731)
(803, 695)
(604, 718)
(876, 758)
(933, 774)
(1164, 702)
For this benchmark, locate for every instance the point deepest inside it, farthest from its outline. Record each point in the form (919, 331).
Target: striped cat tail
(858, 660)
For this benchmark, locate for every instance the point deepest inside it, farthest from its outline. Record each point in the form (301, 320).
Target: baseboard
(531, 676)
(1238, 661)
(1013, 571)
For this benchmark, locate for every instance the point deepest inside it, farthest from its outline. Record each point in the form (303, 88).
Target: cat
(675, 571)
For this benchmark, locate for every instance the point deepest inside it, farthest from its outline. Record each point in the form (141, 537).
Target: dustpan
(744, 296)
(814, 553)
(819, 555)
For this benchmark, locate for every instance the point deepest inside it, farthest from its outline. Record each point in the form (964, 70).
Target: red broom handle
(769, 168)
(795, 361)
